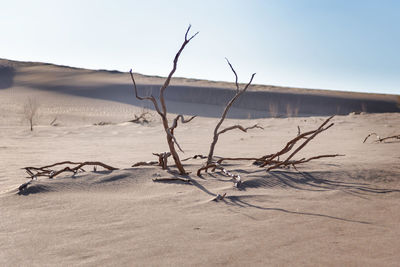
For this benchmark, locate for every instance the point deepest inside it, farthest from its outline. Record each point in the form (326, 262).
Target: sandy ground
(340, 211)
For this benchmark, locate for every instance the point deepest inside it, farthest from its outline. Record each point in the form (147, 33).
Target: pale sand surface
(341, 211)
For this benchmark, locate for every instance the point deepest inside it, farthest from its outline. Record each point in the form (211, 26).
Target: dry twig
(379, 139)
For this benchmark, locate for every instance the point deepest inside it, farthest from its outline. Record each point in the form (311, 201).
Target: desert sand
(342, 211)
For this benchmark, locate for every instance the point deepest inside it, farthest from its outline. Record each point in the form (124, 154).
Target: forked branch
(162, 111)
(217, 132)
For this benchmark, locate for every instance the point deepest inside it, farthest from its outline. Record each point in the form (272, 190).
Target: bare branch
(172, 179)
(171, 140)
(175, 123)
(225, 112)
(145, 163)
(195, 157)
(379, 139)
(174, 139)
(318, 131)
(240, 128)
(167, 81)
(234, 72)
(34, 172)
(235, 177)
(151, 97)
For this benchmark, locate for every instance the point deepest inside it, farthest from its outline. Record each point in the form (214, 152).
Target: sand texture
(342, 211)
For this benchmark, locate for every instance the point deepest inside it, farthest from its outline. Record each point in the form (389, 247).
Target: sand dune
(260, 102)
(340, 211)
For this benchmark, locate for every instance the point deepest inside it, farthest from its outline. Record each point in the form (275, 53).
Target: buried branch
(162, 161)
(50, 172)
(380, 140)
(237, 180)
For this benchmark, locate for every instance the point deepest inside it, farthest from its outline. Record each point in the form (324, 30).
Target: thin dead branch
(380, 140)
(31, 108)
(162, 111)
(240, 128)
(145, 163)
(237, 180)
(171, 179)
(195, 157)
(48, 171)
(217, 132)
(219, 197)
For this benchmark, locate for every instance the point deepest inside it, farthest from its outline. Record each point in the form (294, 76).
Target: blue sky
(324, 44)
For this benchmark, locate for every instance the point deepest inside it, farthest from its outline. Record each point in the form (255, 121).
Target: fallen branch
(195, 157)
(49, 172)
(141, 118)
(145, 163)
(162, 161)
(379, 139)
(172, 179)
(235, 177)
(219, 197)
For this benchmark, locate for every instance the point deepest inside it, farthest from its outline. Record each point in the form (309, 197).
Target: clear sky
(350, 45)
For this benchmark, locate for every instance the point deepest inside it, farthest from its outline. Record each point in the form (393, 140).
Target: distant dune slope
(205, 98)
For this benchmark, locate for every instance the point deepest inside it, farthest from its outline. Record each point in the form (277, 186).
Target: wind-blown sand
(342, 211)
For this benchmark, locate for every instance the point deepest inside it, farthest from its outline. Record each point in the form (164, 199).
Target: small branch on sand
(161, 107)
(235, 177)
(47, 171)
(219, 197)
(380, 140)
(195, 157)
(145, 163)
(172, 179)
(162, 161)
(50, 172)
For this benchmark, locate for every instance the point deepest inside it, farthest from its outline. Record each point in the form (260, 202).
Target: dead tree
(217, 131)
(162, 111)
(382, 139)
(30, 112)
